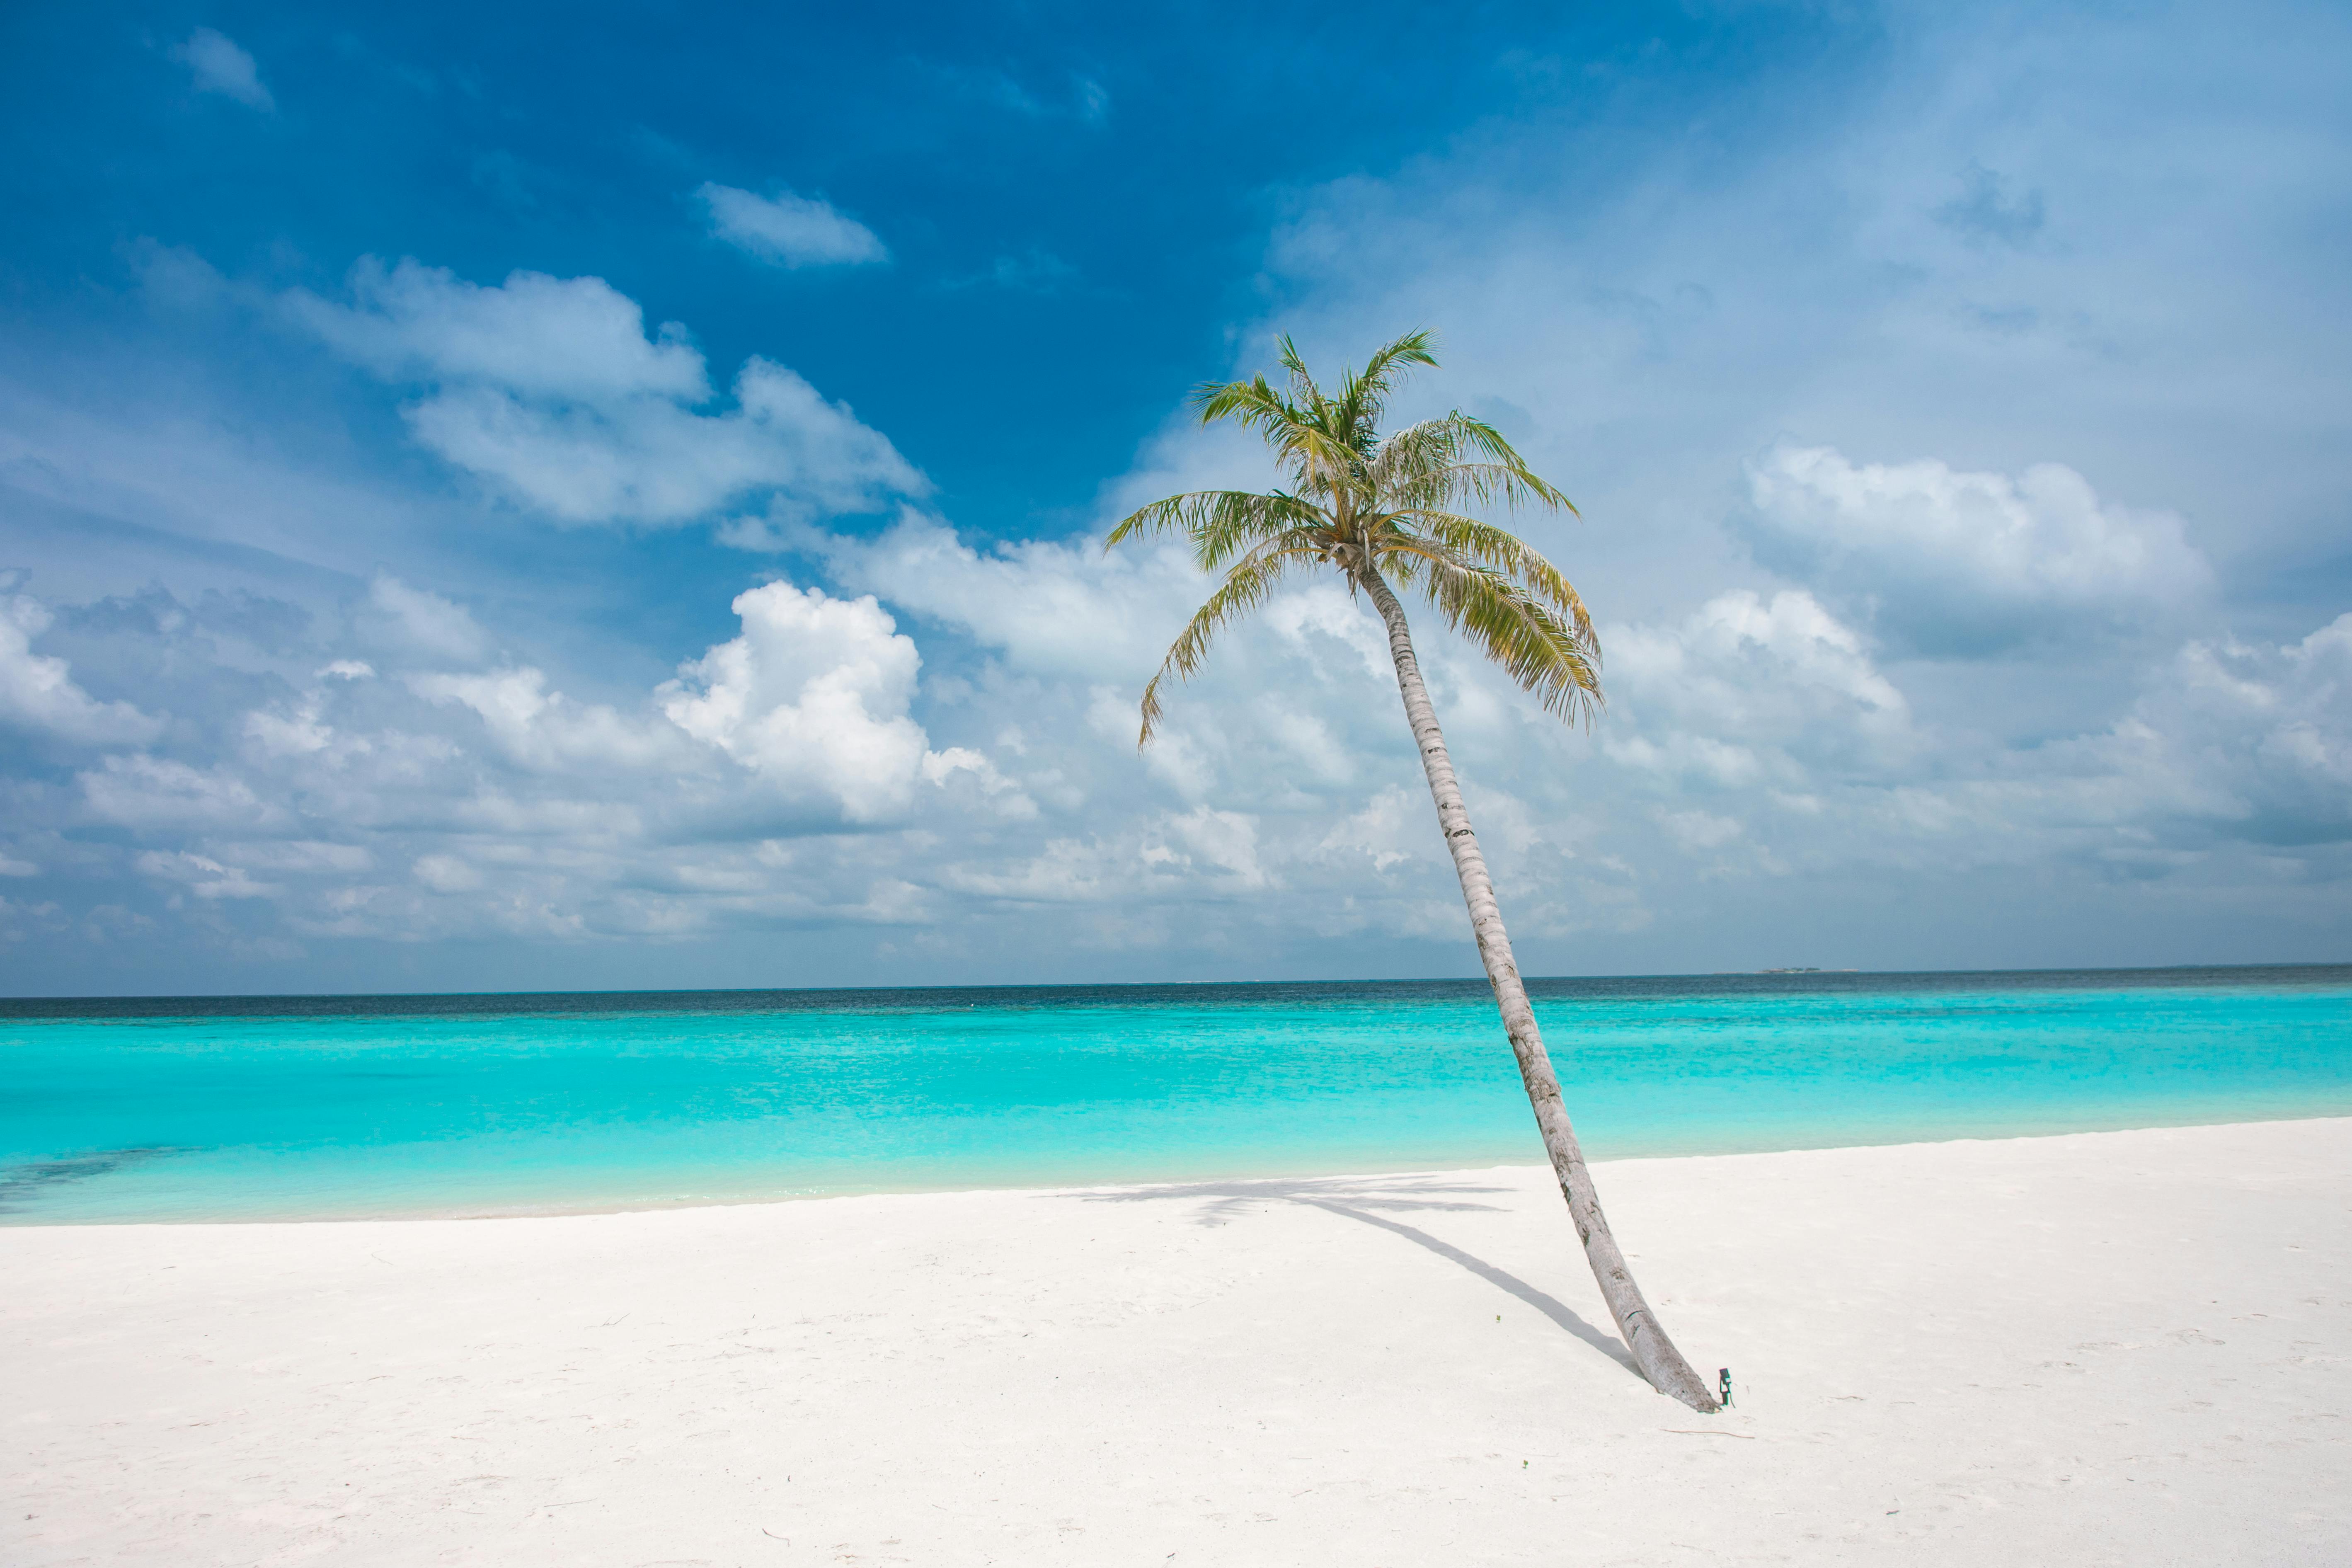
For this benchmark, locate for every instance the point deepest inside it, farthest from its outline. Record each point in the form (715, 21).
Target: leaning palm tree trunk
(1358, 501)
(1654, 1352)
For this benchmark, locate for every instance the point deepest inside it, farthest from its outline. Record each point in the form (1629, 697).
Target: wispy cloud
(217, 65)
(1987, 210)
(1033, 271)
(790, 230)
(1083, 98)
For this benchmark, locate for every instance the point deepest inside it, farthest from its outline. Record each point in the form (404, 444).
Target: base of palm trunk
(1654, 1356)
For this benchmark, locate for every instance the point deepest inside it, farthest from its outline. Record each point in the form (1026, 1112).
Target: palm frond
(1251, 582)
(1442, 463)
(1253, 402)
(1303, 390)
(1484, 545)
(1295, 428)
(1364, 393)
(1217, 522)
(1551, 660)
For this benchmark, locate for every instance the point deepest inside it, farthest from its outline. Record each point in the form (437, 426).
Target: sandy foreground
(2120, 1348)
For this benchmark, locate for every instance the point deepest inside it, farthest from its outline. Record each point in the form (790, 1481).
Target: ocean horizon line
(217, 1003)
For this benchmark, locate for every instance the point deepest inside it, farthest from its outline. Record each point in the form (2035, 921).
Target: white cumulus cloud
(551, 390)
(543, 729)
(1950, 557)
(812, 696)
(2265, 728)
(655, 461)
(533, 334)
(1067, 608)
(789, 230)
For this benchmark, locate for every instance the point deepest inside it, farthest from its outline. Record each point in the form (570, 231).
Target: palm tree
(1382, 510)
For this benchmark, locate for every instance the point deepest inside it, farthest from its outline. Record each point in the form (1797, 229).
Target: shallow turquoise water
(332, 1107)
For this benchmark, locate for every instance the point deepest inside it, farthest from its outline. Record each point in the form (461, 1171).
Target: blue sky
(445, 460)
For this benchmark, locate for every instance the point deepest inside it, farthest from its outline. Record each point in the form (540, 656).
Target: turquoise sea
(323, 1108)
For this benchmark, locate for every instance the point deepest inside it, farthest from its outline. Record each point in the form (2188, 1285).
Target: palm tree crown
(1380, 506)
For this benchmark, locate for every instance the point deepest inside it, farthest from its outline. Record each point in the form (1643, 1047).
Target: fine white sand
(2123, 1348)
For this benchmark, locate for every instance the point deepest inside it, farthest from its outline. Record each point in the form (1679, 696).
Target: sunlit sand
(2119, 1348)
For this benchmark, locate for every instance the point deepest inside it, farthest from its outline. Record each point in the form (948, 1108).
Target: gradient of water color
(343, 1107)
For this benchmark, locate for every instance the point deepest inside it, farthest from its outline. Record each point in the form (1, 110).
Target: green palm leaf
(1250, 583)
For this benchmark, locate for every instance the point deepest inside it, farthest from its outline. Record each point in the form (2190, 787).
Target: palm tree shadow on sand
(1357, 1199)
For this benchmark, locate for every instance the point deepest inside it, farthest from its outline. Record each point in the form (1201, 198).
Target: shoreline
(2098, 1347)
(1041, 1188)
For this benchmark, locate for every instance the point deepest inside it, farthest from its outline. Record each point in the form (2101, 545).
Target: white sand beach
(2130, 1348)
